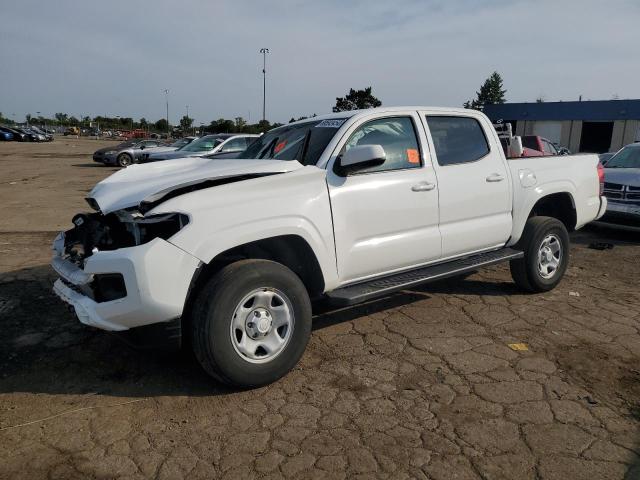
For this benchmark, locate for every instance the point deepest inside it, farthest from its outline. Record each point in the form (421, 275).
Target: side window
(235, 145)
(457, 139)
(396, 135)
(548, 148)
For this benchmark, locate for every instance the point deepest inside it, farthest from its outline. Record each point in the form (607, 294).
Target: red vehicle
(137, 133)
(515, 146)
(538, 144)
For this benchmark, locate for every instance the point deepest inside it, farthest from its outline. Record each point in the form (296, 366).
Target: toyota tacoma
(229, 254)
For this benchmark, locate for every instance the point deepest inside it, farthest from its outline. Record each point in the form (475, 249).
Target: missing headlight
(158, 226)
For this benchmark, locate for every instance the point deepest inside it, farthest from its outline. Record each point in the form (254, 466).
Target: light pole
(264, 52)
(166, 96)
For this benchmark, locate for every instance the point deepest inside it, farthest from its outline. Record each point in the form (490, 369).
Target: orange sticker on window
(280, 146)
(413, 156)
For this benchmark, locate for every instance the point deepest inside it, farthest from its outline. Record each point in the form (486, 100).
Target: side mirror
(361, 156)
(141, 147)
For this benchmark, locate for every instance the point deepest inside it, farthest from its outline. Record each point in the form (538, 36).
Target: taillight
(601, 177)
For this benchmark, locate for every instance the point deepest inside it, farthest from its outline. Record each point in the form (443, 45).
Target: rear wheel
(545, 243)
(124, 159)
(251, 323)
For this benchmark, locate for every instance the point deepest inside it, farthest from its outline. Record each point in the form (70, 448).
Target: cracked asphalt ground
(418, 385)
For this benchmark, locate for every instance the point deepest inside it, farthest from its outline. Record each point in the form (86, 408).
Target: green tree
(144, 123)
(356, 100)
(62, 118)
(161, 125)
(241, 124)
(185, 123)
(491, 92)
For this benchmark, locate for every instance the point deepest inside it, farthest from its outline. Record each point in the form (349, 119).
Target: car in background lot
(47, 136)
(605, 157)
(207, 145)
(5, 135)
(622, 187)
(125, 153)
(539, 144)
(17, 136)
(177, 145)
(31, 135)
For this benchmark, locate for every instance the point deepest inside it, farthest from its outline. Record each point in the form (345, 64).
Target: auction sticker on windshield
(331, 123)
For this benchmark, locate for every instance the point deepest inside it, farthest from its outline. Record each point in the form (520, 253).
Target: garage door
(549, 130)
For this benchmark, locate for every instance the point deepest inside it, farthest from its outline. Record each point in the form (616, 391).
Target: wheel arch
(557, 203)
(290, 250)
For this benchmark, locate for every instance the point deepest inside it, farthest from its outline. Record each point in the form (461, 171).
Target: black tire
(526, 272)
(124, 159)
(214, 309)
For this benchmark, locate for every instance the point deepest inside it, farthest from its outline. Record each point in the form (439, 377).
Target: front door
(386, 216)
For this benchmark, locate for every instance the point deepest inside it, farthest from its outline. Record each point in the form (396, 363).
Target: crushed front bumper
(157, 277)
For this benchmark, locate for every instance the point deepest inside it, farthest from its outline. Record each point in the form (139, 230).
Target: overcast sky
(116, 57)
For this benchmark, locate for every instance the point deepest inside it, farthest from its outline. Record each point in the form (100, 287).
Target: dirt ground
(418, 385)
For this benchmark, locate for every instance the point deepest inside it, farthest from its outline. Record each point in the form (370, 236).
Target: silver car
(207, 145)
(126, 153)
(622, 187)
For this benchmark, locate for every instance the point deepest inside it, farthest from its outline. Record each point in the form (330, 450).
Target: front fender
(230, 215)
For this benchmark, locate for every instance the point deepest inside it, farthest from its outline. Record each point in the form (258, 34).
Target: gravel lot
(421, 384)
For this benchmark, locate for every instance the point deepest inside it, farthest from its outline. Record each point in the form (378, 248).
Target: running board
(361, 292)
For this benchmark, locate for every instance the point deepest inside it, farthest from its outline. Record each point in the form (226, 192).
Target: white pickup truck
(228, 254)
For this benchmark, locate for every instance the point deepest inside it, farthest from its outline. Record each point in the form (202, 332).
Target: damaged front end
(96, 264)
(94, 232)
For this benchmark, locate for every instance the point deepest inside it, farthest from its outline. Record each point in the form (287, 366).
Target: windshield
(203, 144)
(304, 142)
(180, 143)
(628, 157)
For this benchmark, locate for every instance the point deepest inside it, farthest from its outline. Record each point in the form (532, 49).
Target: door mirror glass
(363, 156)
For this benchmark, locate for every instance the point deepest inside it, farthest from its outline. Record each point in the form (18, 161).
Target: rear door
(386, 216)
(474, 185)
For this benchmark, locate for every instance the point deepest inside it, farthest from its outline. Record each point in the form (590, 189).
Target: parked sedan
(5, 135)
(622, 187)
(17, 136)
(125, 153)
(209, 144)
(48, 137)
(177, 145)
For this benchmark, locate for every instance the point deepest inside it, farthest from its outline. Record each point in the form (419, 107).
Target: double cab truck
(228, 255)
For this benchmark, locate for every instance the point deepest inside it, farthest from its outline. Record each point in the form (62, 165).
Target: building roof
(599, 110)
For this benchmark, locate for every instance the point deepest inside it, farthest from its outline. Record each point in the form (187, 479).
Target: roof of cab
(369, 111)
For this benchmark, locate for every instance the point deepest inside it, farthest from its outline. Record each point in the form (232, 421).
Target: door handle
(495, 177)
(423, 187)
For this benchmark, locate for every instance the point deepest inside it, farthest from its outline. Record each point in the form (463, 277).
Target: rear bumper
(157, 277)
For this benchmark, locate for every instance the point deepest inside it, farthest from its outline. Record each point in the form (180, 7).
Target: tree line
(491, 92)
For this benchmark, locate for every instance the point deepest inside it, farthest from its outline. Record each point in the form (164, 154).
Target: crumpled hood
(130, 186)
(622, 176)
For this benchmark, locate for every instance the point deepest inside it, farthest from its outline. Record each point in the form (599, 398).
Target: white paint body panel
(358, 227)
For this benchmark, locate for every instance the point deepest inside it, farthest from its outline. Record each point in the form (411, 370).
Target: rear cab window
(457, 140)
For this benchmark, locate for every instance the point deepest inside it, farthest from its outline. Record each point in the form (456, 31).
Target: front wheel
(545, 243)
(124, 159)
(251, 323)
